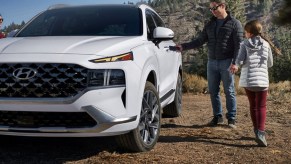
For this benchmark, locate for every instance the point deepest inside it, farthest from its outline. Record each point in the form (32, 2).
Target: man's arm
(197, 42)
(237, 39)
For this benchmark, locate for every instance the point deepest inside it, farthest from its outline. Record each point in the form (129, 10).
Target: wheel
(145, 136)
(174, 109)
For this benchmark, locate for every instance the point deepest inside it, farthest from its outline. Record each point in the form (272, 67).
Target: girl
(255, 57)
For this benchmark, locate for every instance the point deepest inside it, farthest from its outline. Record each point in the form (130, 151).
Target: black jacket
(225, 44)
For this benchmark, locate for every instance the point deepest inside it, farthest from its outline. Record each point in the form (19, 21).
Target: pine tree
(237, 9)
(284, 14)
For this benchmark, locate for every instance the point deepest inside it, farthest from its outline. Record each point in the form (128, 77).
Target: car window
(150, 25)
(158, 20)
(86, 21)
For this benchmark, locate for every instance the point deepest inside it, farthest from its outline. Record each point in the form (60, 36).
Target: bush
(280, 92)
(239, 90)
(194, 83)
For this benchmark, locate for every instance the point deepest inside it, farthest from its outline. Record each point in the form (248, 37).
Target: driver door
(167, 59)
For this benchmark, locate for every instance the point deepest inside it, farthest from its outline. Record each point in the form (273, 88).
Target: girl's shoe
(260, 138)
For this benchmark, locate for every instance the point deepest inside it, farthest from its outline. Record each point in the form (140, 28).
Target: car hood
(86, 45)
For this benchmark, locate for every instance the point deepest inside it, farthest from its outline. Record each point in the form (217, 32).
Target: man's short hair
(218, 1)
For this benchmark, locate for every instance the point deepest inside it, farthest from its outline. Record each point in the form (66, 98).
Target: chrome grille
(50, 80)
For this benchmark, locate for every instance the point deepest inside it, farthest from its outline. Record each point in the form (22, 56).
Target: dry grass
(194, 84)
(279, 92)
(284, 86)
(197, 84)
(239, 90)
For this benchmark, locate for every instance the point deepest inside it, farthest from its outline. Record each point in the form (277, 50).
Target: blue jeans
(217, 71)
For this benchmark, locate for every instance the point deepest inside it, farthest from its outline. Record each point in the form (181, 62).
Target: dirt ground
(183, 140)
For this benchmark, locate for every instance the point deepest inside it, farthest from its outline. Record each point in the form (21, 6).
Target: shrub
(280, 92)
(194, 84)
(239, 90)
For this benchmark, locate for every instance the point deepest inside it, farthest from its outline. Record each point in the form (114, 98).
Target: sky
(23, 10)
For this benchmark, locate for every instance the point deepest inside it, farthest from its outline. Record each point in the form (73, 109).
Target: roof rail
(57, 6)
(141, 3)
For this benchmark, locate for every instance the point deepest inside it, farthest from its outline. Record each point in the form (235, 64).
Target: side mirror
(163, 33)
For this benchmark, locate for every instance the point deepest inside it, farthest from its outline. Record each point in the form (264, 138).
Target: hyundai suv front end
(87, 71)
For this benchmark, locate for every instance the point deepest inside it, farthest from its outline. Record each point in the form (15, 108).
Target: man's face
(217, 9)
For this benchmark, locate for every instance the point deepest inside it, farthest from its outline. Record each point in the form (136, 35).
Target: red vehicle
(2, 35)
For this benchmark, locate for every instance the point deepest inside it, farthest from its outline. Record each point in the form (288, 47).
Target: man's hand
(233, 68)
(176, 48)
(179, 48)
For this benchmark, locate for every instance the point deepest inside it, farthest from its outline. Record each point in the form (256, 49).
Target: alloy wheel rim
(150, 118)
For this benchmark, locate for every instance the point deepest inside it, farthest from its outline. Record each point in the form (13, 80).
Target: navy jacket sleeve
(237, 39)
(197, 42)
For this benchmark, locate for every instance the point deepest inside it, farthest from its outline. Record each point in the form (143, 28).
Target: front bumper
(103, 106)
(103, 119)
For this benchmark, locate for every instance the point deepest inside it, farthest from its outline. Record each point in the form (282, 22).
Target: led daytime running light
(123, 57)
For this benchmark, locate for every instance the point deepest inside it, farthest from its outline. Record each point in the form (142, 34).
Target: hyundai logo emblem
(24, 73)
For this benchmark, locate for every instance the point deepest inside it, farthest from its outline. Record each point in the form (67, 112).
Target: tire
(174, 109)
(145, 136)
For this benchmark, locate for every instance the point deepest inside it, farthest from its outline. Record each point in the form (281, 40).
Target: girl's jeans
(258, 108)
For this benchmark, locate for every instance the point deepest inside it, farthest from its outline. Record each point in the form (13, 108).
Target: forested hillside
(187, 18)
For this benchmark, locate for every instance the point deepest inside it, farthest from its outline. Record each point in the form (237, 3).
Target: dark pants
(258, 108)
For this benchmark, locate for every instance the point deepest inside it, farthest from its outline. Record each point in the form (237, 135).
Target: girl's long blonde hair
(255, 27)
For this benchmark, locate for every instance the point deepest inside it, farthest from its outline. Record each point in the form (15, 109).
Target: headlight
(96, 77)
(122, 57)
(106, 77)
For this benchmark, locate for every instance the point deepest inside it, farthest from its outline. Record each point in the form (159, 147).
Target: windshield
(86, 21)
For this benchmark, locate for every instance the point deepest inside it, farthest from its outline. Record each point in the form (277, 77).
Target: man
(2, 34)
(223, 34)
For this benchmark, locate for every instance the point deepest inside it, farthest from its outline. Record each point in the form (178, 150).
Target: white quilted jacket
(255, 57)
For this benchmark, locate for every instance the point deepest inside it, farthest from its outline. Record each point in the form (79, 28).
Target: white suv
(84, 71)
